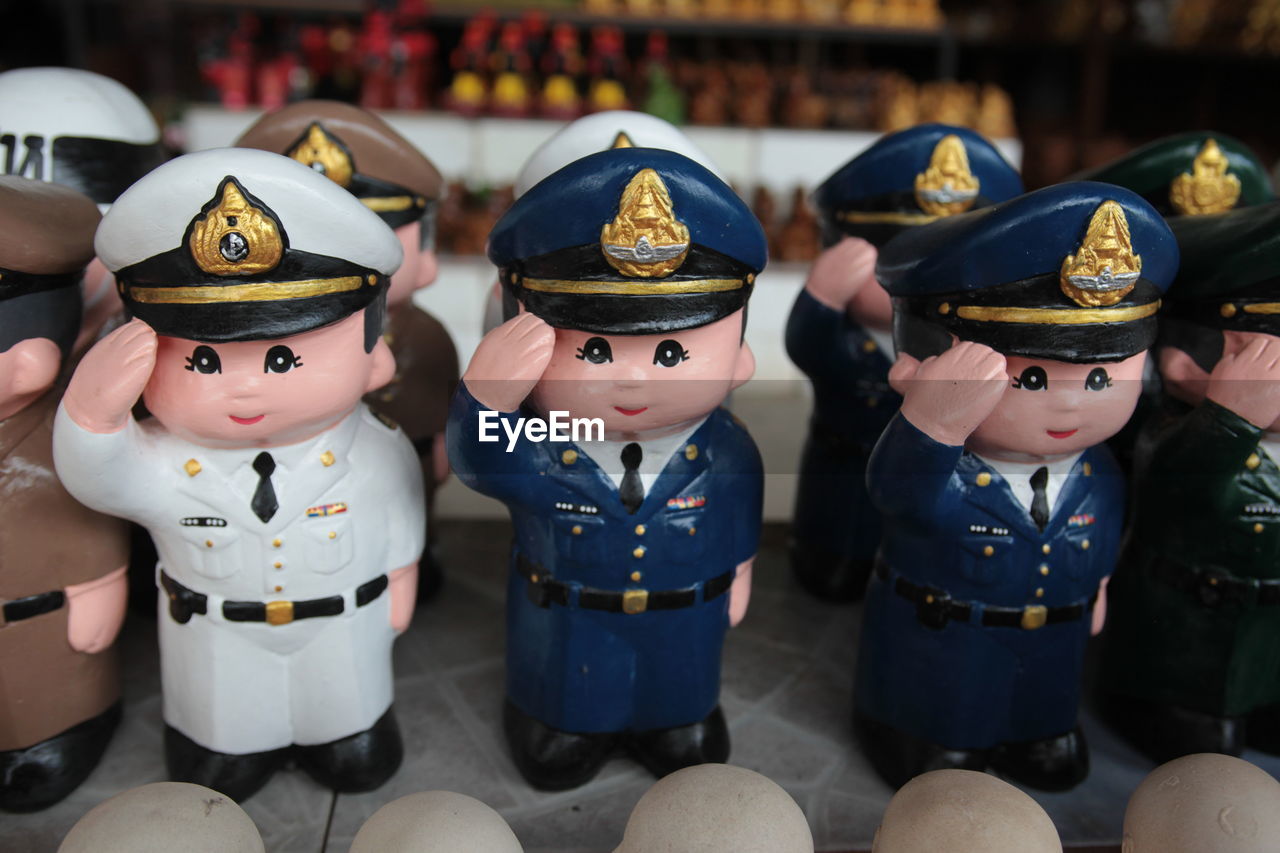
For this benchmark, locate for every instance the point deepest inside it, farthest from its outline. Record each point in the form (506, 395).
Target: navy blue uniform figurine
(634, 538)
(1022, 331)
(839, 332)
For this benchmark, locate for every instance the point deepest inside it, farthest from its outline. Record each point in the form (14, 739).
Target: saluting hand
(110, 378)
(947, 396)
(841, 272)
(1246, 379)
(509, 362)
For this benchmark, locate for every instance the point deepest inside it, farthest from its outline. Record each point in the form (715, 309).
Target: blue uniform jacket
(852, 404)
(595, 671)
(951, 522)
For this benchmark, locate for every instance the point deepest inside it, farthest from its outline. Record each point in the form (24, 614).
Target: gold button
(1044, 570)
(1257, 527)
(569, 457)
(944, 308)
(279, 588)
(1084, 545)
(208, 543)
(1088, 469)
(192, 467)
(276, 543)
(1040, 592)
(868, 345)
(638, 552)
(692, 530)
(928, 599)
(691, 452)
(635, 576)
(1227, 310)
(639, 529)
(983, 479)
(988, 551)
(333, 534)
(577, 530)
(872, 402)
(372, 279)
(327, 458)
(278, 564)
(1045, 549)
(1253, 461)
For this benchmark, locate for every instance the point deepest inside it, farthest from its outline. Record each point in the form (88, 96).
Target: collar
(329, 448)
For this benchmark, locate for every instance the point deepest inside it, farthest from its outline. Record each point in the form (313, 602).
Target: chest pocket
(215, 551)
(983, 557)
(684, 534)
(1082, 549)
(580, 538)
(329, 544)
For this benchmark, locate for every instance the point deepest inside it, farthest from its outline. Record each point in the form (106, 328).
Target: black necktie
(632, 490)
(1040, 497)
(264, 502)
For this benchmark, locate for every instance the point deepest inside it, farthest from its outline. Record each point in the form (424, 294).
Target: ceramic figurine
(798, 238)
(717, 808)
(363, 154)
(512, 94)
(1191, 664)
(1203, 802)
(960, 811)
(839, 332)
(435, 822)
(287, 517)
(468, 92)
(62, 567)
(561, 65)
(163, 817)
(632, 552)
(84, 131)
(1022, 333)
(607, 64)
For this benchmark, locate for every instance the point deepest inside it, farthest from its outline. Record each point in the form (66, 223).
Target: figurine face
(264, 393)
(645, 384)
(418, 270)
(1056, 408)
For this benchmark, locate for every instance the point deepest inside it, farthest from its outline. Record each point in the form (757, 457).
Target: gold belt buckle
(279, 612)
(635, 601)
(1034, 616)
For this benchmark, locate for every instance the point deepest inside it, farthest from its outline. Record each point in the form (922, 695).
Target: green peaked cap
(1153, 170)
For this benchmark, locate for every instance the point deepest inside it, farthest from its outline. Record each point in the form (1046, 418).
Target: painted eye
(280, 359)
(596, 351)
(1097, 380)
(669, 353)
(204, 360)
(1032, 379)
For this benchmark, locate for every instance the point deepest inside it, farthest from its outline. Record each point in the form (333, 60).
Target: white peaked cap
(53, 102)
(716, 808)
(317, 215)
(435, 822)
(163, 817)
(597, 132)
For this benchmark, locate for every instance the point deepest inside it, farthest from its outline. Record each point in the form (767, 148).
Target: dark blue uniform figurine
(1003, 512)
(630, 553)
(839, 332)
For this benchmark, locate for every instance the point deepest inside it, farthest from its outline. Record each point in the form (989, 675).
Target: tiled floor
(786, 693)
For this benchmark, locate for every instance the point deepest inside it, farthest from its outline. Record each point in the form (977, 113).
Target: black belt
(934, 607)
(183, 602)
(544, 590)
(1213, 587)
(33, 605)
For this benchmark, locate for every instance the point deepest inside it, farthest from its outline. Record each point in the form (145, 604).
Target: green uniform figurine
(1193, 659)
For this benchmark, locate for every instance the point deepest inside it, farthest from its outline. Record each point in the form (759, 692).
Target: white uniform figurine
(163, 817)
(961, 811)
(1201, 803)
(435, 822)
(84, 131)
(287, 517)
(716, 808)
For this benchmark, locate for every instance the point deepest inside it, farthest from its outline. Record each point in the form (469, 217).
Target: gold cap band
(393, 203)
(1056, 316)
(264, 291)
(632, 288)
(885, 217)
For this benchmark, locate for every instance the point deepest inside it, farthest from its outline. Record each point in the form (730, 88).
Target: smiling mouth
(1061, 433)
(631, 411)
(247, 421)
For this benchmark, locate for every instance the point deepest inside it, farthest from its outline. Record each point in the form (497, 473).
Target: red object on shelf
(561, 66)
(608, 67)
(232, 73)
(468, 91)
(374, 46)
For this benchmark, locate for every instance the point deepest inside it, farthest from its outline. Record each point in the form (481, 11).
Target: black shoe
(830, 577)
(358, 762)
(665, 751)
(899, 757)
(42, 774)
(552, 760)
(1264, 730)
(1165, 732)
(1049, 764)
(237, 776)
(430, 575)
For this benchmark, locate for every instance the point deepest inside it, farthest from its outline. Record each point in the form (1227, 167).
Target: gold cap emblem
(1207, 188)
(645, 239)
(233, 236)
(947, 186)
(1104, 269)
(320, 150)
(622, 141)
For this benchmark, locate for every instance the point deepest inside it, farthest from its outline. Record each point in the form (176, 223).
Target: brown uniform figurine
(62, 567)
(361, 152)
